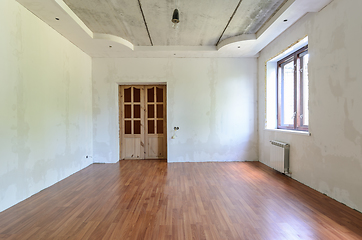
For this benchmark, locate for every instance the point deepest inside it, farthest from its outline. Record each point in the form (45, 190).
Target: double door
(142, 122)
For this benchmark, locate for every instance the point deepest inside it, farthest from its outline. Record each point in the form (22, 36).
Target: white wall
(331, 159)
(45, 105)
(213, 101)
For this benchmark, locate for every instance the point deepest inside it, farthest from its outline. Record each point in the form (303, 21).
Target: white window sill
(289, 131)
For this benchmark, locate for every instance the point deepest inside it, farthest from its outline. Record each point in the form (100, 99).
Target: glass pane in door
(159, 126)
(151, 111)
(127, 111)
(137, 127)
(127, 95)
(159, 94)
(127, 127)
(136, 95)
(159, 111)
(137, 111)
(151, 126)
(150, 95)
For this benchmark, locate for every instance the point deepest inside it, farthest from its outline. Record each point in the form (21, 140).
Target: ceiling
(143, 28)
(148, 22)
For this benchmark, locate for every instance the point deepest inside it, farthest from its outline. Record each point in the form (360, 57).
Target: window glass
(287, 98)
(305, 116)
(292, 91)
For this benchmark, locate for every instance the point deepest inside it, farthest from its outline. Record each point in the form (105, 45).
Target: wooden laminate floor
(156, 200)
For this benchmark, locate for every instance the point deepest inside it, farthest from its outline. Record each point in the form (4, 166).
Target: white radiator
(279, 156)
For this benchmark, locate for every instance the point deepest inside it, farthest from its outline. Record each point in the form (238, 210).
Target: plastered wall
(330, 160)
(45, 105)
(212, 101)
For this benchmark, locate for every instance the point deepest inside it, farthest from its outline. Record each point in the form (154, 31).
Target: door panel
(143, 122)
(155, 117)
(131, 118)
(132, 148)
(155, 147)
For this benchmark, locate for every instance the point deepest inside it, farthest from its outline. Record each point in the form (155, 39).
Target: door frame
(119, 112)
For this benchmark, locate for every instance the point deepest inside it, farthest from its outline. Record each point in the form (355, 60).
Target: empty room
(170, 119)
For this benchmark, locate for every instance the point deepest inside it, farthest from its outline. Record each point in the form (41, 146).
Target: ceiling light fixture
(175, 18)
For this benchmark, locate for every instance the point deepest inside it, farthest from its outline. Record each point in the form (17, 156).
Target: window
(292, 91)
(286, 92)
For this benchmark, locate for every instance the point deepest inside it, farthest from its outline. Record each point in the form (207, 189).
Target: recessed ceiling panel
(251, 16)
(201, 25)
(201, 22)
(122, 18)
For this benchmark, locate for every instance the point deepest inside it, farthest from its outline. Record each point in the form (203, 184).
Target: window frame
(297, 58)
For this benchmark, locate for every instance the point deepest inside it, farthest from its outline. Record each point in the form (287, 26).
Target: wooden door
(131, 121)
(142, 122)
(155, 119)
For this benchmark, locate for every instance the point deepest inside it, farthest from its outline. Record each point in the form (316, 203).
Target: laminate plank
(143, 199)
